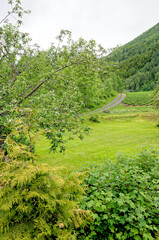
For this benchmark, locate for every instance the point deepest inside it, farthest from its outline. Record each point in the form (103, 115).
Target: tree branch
(25, 90)
(40, 84)
(2, 114)
(6, 17)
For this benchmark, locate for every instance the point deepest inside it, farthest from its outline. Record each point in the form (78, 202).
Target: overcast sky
(109, 22)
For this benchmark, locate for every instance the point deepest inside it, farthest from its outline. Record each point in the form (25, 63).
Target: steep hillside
(137, 63)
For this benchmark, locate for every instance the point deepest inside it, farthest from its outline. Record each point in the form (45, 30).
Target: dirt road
(113, 103)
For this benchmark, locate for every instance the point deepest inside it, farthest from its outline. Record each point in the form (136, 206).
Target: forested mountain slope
(137, 63)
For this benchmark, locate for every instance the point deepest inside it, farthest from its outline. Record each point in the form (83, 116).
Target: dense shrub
(36, 202)
(124, 198)
(94, 118)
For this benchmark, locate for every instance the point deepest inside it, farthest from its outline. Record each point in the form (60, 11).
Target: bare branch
(15, 74)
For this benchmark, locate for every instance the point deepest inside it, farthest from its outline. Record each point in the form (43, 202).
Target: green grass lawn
(125, 130)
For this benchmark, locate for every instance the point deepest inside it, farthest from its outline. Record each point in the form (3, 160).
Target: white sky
(109, 22)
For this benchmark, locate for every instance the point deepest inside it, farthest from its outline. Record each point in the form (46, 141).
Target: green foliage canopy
(46, 89)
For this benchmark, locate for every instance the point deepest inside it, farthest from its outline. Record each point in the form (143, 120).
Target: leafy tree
(38, 93)
(42, 88)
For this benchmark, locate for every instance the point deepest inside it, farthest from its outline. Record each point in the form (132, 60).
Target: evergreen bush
(36, 202)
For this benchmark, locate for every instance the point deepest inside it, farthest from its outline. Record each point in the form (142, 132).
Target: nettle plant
(124, 198)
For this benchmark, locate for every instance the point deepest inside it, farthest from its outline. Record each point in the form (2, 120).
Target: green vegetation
(125, 128)
(124, 198)
(138, 98)
(156, 98)
(94, 118)
(46, 98)
(37, 202)
(137, 63)
(48, 89)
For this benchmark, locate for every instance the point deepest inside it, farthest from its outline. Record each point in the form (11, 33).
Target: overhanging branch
(40, 84)
(6, 17)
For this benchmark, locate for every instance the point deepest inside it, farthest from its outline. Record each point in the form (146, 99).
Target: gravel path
(113, 103)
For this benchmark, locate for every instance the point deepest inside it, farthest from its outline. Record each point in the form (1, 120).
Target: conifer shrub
(37, 202)
(124, 198)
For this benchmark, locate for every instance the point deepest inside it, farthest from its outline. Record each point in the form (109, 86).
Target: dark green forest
(137, 63)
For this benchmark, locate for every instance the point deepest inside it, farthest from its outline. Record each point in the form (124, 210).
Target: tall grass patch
(138, 98)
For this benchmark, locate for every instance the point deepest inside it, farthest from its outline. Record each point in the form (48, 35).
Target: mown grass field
(124, 130)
